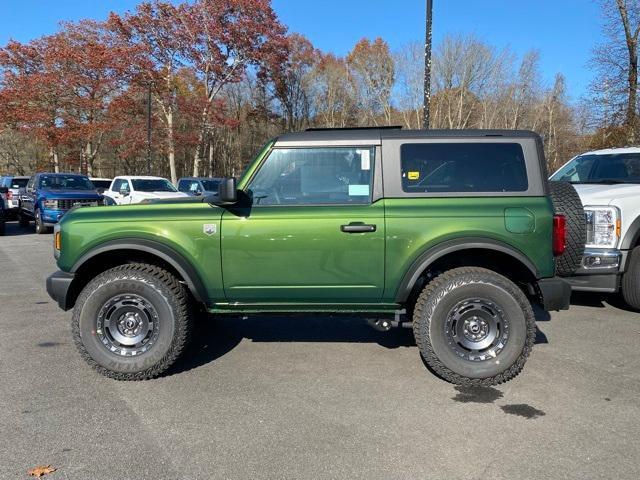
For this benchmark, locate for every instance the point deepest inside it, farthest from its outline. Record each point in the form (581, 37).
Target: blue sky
(564, 31)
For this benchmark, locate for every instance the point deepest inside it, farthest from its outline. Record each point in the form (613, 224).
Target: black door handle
(357, 228)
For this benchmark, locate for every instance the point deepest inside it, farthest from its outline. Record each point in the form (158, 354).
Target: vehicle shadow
(12, 229)
(600, 300)
(215, 336)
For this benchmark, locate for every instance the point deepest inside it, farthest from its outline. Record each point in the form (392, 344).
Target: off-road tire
(41, 228)
(433, 308)
(161, 289)
(566, 201)
(631, 280)
(22, 220)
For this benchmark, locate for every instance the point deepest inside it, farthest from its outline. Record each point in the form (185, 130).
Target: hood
(69, 194)
(597, 194)
(161, 194)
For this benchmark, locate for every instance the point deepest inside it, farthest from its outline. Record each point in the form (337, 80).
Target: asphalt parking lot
(280, 397)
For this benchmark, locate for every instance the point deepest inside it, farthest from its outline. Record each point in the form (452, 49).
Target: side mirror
(4, 189)
(124, 192)
(227, 191)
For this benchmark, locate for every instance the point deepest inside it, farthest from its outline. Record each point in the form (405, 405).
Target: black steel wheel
(128, 325)
(473, 327)
(477, 329)
(132, 322)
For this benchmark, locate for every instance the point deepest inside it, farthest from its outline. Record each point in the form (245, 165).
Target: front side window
(314, 176)
(606, 169)
(153, 185)
(463, 167)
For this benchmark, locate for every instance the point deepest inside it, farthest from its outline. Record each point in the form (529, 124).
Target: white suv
(128, 190)
(608, 182)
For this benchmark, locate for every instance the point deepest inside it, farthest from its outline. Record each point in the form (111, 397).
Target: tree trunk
(197, 157)
(53, 155)
(632, 88)
(171, 146)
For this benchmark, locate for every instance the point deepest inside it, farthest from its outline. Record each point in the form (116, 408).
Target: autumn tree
(31, 97)
(221, 39)
(334, 94)
(154, 30)
(373, 71)
(615, 89)
(292, 82)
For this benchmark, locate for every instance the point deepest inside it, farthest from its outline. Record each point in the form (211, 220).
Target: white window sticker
(365, 159)
(358, 190)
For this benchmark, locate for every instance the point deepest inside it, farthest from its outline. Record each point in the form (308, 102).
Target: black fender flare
(632, 236)
(432, 254)
(186, 270)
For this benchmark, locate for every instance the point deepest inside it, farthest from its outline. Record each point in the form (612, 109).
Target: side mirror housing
(227, 192)
(124, 192)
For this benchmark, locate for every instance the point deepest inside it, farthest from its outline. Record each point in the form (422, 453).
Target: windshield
(607, 169)
(65, 182)
(153, 185)
(101, 183)
(18, 182)
(210, 185)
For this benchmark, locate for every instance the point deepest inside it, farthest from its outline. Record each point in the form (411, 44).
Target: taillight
(559, 234)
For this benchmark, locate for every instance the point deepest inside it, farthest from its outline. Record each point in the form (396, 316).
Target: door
(311, 232)
(27, 200)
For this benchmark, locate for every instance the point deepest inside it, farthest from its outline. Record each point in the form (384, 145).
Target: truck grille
(67, 204)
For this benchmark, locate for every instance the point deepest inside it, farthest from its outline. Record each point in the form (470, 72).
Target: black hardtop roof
(377, 134)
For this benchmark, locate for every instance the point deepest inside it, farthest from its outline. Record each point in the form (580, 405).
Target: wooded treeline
(224, 76)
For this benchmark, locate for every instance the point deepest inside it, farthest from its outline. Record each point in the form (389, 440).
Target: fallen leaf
(41, 471)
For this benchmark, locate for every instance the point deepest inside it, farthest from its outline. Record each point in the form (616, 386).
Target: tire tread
(428, 300)
(181, 305)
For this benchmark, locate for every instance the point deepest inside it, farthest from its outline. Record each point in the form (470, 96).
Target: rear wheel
(631, 280)
(474, 327)
(132, 322)
(41, 228)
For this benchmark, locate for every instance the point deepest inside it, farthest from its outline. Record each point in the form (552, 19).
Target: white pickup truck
(608, 182)
(135, 189)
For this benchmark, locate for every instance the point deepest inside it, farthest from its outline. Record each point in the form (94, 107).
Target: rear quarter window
(462, 167)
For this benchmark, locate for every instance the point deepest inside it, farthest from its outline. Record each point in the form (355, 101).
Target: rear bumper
(58, 285)
(555, 292)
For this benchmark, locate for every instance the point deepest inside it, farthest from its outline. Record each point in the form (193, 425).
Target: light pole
(427, 66)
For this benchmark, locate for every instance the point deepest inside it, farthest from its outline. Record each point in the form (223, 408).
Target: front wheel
(41, 228)
(631, 280)
(132, 322)
(474, 327)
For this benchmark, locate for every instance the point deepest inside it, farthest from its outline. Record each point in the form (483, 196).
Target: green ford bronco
(452, 233)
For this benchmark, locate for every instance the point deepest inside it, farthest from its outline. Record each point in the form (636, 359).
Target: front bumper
(51, 217)
(600, 270)
(58, 286)
(555, 293)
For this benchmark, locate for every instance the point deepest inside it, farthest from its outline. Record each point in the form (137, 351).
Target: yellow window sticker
(413, 175)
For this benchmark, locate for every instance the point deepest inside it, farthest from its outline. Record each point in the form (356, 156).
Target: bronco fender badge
(210, 228)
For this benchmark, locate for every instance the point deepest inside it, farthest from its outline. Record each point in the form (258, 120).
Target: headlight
(50, 204)
(603, 226)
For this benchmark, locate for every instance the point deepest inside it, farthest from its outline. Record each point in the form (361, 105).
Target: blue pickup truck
(48, 196)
